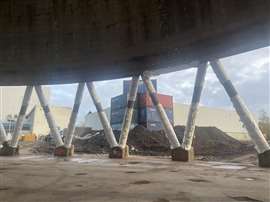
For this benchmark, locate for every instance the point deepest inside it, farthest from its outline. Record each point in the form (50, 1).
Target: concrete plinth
(119, 153)
(63, 151)
(180, 154)
(7, 150)
(264, 159)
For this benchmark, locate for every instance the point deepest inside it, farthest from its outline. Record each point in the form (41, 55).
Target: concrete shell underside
(65, 41)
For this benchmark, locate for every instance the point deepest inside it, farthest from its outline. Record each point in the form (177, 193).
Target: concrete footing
(119, 153)
(7, 150)
(264, 159)
(180, 154)
(63, 151)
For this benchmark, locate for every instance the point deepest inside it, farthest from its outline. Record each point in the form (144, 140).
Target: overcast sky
(250, 72)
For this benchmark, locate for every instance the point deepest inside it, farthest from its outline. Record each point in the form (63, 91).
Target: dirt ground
(88, 177)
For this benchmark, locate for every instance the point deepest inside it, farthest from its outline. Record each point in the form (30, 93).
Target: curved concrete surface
(49, 41)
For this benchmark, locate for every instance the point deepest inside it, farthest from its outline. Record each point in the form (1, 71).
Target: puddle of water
(36, 157)
(94, 161)
(222, 165)
(79, 160)
(28, 157)
(229, 167)
(249, 179)
(215, 162)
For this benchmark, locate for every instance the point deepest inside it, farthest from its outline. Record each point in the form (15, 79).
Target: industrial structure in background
(11, 98)
(145, 114)
(35, 122)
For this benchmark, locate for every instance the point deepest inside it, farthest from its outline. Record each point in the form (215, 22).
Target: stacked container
(144, 112)
(118, 107)
(148, 115)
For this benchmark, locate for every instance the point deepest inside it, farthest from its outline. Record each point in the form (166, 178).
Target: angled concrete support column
(13, 148)
(68, 149)
(128, 115)
(3, 135)
(49, 117)
(163, 116)
(190, 125)
(254, 132)
(19, 123)
(103, 118)
(6, 149)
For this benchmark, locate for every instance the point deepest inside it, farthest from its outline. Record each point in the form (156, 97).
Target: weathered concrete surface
(119, 152)
(90, 178)
(63, 151)
(180, 154)
(62, 41)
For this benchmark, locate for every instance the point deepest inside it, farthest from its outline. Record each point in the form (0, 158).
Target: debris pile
(209, 141)
(214, 142)
(96, 143)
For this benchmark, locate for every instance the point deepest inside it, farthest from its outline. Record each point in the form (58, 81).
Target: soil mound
(209, 141)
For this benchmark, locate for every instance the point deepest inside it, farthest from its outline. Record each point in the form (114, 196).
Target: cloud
(248, 71)
(64, 95)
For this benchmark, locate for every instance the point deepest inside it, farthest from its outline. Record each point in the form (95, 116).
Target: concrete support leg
(162, 114)
(3, 135)
(19, 123)
(6, 149)
(103, 119)
(13, 148)
(128, 114)
(254, 132)
(187, 151)
(180, 154)
(63, 151)
(68, 149)
(50, 120)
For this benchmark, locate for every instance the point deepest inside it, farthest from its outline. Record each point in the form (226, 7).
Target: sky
(249, 72)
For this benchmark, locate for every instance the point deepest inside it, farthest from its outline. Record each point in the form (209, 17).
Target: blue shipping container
(118, 126)
(120, 101)
(154, 126)
(150, 114)
(117, 116)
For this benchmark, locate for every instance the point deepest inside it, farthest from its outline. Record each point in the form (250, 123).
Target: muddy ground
(95, 178)
(230, 176)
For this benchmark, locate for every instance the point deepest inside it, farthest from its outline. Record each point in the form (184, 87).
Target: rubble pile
(214, 142)
(209, 141)
(97, 143)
